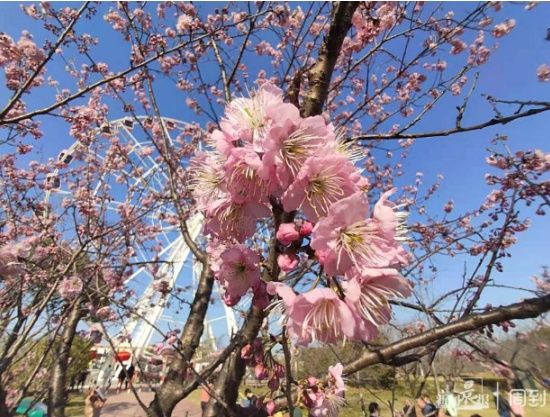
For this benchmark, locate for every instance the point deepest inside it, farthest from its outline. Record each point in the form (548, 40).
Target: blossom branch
(39, 68)
(543, 107)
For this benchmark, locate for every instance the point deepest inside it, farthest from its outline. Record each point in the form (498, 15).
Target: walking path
(125, 405)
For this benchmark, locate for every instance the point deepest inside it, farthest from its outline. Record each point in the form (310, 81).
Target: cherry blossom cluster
(324, 400)
(70, 287)
(19, 59)
(542, 282)
(267, 158)
(265, 367)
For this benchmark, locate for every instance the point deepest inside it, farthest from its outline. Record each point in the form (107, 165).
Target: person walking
(374, 410)
(425, 407)
(121, 378)
(129, 375)
(250, 398)
(81, 380)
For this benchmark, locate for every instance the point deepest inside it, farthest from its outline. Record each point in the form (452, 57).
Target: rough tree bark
(4, 411)
(320, 74)
(57, 396)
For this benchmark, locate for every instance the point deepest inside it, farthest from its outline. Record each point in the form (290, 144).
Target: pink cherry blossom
(228, 220)
(347, 237)
(244, 184)
(70, 287)
(214, 249)
(315, 315)
(291, 140)
(287, 233)
(543, 73)
(246, 118)
(335, 373)
(320, 182)
(261, 371)
(503, 28)
(325, 401)
(184, 23)
(14, 254)
(230, 300)
(206, 177)
(239, 270)
(368, 293)
(270, 407)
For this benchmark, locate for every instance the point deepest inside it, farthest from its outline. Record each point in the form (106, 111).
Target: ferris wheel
(139, 176)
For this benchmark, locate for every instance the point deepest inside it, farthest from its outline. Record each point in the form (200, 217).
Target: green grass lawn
(75, 407)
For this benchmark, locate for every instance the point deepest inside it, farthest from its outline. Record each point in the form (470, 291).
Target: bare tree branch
(530, 308)
(440, 133)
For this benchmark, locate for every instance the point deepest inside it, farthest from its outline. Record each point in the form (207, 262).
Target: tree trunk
(4, 410)
(229, 380)
(57, 397)
(171, 392)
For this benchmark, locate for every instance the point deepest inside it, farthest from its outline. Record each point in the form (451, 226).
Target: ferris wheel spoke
(162, 255)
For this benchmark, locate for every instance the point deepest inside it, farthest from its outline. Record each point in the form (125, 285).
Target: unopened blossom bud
(273, 384)
(259, 356)
(287, 262)
(270, 407)
(306, 228)
(260, 371)
(257, 344)
(287, 233)
(279, 370)
(246, 352)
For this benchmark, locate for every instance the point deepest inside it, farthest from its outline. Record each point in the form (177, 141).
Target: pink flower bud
(287, 262)
(273, 384)
(279, 370)
(287, 233)
(246, 352)
(257, 344)
(230, 300)
(260, 371)
(259, 356)
(522, 336)
(311, 381)
(270, 407)
(306, 228)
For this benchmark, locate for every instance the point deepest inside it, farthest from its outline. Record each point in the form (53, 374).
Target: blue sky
(510, 74)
